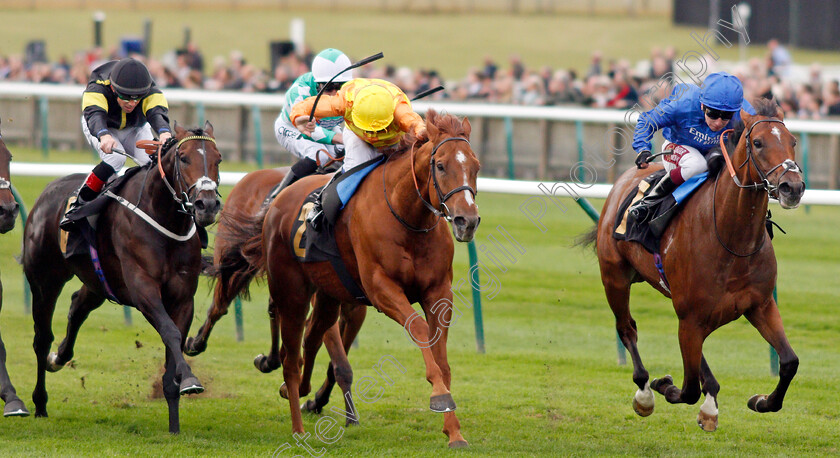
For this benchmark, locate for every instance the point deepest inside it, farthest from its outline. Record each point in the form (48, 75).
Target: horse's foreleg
(349, 323)
(83, 302)
(274, 360)
(708, 416)
(439, 312)
(14, 405)
(691, 346)
(171, 393)
(769, 323)
(324, 316)
(223, 294)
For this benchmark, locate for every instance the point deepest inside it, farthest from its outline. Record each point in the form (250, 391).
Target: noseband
(202, 184)
(443, 212)
(788, 165)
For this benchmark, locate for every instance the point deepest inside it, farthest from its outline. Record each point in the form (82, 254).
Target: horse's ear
(432, 130)
(780, 113)
(748, 118)
(467, 127)
(179, 131)
(208, 128)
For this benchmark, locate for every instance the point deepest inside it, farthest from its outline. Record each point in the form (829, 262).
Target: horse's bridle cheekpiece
(440, 213)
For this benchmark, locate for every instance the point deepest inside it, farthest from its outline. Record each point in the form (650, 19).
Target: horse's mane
(446, 123)
(763, 107)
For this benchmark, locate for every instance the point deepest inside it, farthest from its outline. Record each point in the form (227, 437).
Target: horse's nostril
(784, 188)
(199, 205)
(459, 221)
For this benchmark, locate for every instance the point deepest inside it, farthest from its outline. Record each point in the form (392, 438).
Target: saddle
(649, 232)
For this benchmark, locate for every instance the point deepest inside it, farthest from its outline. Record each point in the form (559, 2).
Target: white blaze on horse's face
(776, 133)
(462, 158)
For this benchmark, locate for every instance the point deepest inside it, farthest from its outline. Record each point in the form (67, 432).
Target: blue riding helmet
(722, 91)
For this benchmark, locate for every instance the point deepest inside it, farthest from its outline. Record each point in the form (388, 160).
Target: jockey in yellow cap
(376, 116)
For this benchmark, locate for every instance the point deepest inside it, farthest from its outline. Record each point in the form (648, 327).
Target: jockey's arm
(408, 120)
(328, 105)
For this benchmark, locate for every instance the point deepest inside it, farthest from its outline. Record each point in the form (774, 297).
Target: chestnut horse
(233, 278)
(8, 213)
(716, 274)
(154, 269)
(392, 243)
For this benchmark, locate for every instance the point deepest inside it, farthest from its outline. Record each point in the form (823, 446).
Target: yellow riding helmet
(373, 108)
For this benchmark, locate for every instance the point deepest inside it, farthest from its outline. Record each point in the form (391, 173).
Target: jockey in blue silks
(691, 120)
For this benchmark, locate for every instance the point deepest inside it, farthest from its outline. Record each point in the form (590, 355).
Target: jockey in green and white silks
(326, 139)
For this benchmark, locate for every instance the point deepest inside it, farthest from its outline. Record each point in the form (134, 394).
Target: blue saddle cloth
(649, 232)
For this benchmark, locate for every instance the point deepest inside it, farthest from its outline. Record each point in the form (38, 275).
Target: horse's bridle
(788, 165)
(443, 212)
(204, 183)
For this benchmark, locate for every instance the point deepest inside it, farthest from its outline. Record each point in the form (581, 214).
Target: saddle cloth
(649, 232)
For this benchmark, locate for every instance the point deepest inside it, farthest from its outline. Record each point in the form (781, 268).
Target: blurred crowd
(606, 83)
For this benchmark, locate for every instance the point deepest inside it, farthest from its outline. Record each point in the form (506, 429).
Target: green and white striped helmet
(328, 63)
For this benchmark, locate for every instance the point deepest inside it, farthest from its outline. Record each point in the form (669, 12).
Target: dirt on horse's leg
(691, 346)
(84, 301)
(708, 416)
(43, 307)
(617, 288)
(274, 360)
(768, 322)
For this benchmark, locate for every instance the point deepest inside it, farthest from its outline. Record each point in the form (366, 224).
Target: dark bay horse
(8, 213)
(392, 243)
(718, 260)
(154, 269)
(233, 278)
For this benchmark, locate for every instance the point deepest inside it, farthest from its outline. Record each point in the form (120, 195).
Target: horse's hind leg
(769, 323)
(617, 288)
(44, 295)
(84, 301)
(350, 322)
(14, 405)
(274, 360)
(708, 416)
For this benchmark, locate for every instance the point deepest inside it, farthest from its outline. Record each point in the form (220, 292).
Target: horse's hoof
(284, 392)
(643, 401)
(191, 349)
(351, 422)
(459, 444)
(52, 363)
(442, 403)
(754, 401)
(191, 386)
(15, 408)
(310, 406)
(660, 382)
(707, 422)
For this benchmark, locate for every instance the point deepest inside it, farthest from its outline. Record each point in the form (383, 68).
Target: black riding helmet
(130, 78)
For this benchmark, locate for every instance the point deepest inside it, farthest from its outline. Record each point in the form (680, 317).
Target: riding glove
(642, 158)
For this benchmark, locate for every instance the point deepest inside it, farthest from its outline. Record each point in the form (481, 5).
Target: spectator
(779, 58)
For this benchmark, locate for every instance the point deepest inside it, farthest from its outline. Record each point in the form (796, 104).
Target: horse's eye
(185, 159)
(757, 143)
(439, 167)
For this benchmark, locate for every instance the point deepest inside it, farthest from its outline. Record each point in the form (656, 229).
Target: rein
(444, 213)
(788, 165)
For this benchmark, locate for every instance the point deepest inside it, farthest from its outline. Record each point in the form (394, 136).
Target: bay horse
(716, 274)
(391, 241)
(246, 199)
(150, 262)
(8, 214)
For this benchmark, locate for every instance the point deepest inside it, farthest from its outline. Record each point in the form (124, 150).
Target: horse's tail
(242, 257)
(588, 238)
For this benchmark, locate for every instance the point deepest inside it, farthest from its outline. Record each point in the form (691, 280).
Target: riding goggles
(718, 114)
(334, 86)
(129, 98)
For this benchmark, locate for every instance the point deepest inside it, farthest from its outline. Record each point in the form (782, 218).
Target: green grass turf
(451, 43)
(548, 384)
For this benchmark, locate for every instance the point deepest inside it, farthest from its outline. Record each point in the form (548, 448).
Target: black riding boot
(83, 196)
(300, 169)
(315, 217)
(639, 212)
